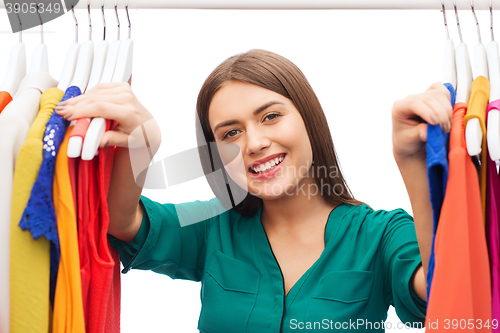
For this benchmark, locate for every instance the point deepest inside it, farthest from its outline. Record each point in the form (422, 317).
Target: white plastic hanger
(464, 70)
(40, 55)
(16, 70)
(85, 60)
(111, 59)
(449, 63)
(493, 125)
(123, 69)
(122, 73)
(71, 60)
(473, 131)
(81, 80)
(99, 57)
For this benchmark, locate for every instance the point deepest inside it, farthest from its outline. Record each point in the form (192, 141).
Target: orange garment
(478, 102)
(68, 304)
(461, 284)
(5, 98)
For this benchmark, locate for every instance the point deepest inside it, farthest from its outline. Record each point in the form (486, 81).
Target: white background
(358, 63)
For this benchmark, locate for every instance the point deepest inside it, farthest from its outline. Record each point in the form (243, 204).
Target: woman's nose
(256, 141)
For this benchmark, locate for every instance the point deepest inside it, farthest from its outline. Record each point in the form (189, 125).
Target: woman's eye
(227, 134)
(270, 117)
(272, 114)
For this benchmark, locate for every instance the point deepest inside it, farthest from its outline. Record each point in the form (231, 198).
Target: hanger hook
(76, 21)
(445, 22)
(128, 18)
(20, 26)
(477, 23)
(491, 20)
(117, 18)
(41, 22)
(458, 22)
(103, 20)
(90, 20)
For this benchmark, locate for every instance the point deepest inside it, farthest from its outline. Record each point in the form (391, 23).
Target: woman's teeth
(267, 166)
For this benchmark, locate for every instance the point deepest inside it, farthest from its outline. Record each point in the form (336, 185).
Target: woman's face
(268, 129)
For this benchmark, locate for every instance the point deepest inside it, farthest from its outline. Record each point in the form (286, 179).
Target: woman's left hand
(411, 115)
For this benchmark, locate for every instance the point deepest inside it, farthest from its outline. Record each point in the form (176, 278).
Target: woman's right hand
(139, 135)
(115, 101)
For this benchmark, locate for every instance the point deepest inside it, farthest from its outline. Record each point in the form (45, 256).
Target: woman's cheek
(234, 164)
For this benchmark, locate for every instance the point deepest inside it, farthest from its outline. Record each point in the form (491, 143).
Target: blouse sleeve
(171, 239)
(401, 259)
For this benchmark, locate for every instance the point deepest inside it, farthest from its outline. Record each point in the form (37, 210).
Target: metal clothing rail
(285, 4)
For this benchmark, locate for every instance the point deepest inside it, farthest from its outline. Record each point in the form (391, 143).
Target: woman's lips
(269, 173)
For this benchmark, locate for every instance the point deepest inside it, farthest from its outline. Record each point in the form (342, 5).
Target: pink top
(492, 230)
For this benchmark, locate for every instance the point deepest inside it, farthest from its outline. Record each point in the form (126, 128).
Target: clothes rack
(287, 4)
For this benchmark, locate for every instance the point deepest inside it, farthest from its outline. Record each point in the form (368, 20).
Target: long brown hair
(273, 72)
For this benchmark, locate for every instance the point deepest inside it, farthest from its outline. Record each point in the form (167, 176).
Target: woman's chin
(269, 190)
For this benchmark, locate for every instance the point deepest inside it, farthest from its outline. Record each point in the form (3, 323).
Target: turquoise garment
(367, 263)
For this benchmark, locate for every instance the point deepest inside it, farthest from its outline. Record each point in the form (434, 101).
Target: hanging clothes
(5, 98)
(437, 174)
(15, 122)
(99, 263)
(492, 228)
(478, 102)
(28, 313)
(101, 270)
(84, 185)
(39, 216)
(68, 305)
(461, 282)
(105, 288)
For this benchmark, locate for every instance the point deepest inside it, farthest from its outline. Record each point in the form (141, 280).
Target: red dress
(100, 265)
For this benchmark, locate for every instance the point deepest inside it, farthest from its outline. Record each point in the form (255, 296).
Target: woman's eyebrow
(255, 113)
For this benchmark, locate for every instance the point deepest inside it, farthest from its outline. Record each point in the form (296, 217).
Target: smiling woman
(238, 92)
(279, 244)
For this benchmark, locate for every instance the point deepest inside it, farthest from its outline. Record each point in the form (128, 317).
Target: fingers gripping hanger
(16, 70)
(81, 80)
(71, 59)
(473, 131)
(122, 73)
(449, 65)
(493, 124)
(40, 56)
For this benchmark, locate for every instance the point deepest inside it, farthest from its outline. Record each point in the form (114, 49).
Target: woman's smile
(267, 169)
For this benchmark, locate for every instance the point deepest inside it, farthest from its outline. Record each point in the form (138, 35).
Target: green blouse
(368, 261)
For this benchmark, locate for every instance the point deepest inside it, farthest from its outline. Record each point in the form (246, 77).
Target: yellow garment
(30, 258)
(478, 102)
(68, 303)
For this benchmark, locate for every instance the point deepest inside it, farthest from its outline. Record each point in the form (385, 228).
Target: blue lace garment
(39, 216)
